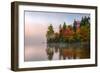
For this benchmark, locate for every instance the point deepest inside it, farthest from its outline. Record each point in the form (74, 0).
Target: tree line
(78, 32)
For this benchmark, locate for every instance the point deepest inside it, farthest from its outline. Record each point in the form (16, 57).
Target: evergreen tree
(85, 21)
(64, 26)
(50, 30)
(74, 25)
(50, 33)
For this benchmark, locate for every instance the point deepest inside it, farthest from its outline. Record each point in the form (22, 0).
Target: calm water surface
(57, 51)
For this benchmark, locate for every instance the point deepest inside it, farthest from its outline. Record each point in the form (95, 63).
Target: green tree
(74, 25)
(85, 21)
(64, 26)
(50, 34)
(85, 29)
(50, 31)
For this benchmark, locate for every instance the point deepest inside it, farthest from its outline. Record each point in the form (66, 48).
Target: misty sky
(36, 23)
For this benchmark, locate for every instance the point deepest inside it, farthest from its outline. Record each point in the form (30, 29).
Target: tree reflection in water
(68, 51)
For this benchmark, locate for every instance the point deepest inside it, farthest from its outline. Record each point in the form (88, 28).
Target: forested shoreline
(79, 31)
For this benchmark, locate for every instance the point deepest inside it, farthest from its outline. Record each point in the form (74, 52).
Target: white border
(23, 64)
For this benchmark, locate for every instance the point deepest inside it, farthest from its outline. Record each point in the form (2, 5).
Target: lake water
(57, 51)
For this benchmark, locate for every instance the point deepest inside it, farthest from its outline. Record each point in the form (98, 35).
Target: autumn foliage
(79, 31)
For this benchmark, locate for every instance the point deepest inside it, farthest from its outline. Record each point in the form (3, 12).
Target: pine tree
(64, 26)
